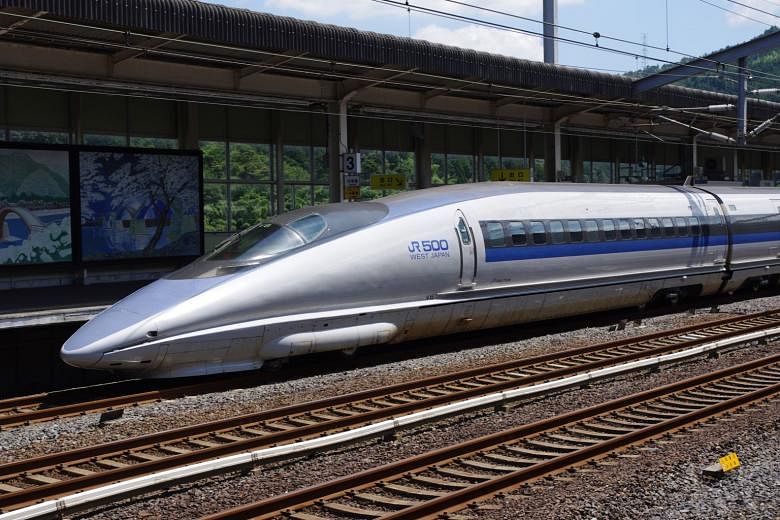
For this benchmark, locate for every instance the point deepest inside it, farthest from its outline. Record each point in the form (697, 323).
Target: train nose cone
(79, 357)
(109, 329)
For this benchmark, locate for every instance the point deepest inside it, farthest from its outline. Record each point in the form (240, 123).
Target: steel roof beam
(730, 55)
(21, 22)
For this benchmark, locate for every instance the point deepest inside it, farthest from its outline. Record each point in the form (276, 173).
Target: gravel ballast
(629, 479)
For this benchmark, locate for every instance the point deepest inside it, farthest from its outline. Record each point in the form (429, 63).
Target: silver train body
(432, 262)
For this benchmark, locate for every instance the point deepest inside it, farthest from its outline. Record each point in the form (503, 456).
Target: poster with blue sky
(139, 205)
(34, 206)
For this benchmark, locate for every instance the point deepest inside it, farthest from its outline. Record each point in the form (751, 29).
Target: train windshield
(269, 239)
(281, 234)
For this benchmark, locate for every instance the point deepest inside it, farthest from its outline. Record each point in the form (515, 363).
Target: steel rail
(25, 410)
(97, 457)
(764, 374)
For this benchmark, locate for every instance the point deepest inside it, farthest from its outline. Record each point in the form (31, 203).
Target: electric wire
(736, 13)
(559, 98)
(434, 12)
(753, 8)
(601, 35)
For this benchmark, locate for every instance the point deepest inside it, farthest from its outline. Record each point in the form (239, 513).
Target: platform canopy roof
(250, 44)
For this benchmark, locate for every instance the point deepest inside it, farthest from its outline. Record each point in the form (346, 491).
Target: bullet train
(431, 262)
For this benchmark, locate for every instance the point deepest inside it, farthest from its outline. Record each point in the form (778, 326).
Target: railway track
(49, 406)
(24, 482)
(449, 479)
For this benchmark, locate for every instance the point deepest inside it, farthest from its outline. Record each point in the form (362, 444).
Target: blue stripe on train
(505, 254)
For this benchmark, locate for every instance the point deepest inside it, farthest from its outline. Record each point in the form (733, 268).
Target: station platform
(42, 306)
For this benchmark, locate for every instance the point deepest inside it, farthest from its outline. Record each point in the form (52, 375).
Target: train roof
(419, 200)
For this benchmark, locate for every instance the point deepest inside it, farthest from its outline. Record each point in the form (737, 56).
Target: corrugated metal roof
(243, 28)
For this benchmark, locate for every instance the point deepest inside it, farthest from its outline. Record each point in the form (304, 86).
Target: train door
(468, 252)
(718, 253)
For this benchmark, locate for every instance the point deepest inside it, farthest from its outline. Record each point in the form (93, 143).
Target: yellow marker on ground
(729, 461)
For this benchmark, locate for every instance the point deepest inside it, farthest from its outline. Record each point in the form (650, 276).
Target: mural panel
(34, 206)
(139, 205)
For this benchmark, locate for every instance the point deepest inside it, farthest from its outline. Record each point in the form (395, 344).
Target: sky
(686, 27)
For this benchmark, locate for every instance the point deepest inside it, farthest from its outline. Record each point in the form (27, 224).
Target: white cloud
(362, 9)
(485, 39)
(318, 9)
(742, 15)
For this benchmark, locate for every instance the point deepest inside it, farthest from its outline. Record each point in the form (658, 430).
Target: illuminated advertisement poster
(139, 205)
(34, 206)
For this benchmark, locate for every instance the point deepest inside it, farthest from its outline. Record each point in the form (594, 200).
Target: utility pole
(550, 31)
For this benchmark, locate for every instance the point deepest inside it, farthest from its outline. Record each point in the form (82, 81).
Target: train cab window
(557, 234)
(608, 226)
(309, 228)
(575, 230)
(693, 222)
(640, 230)
(591, 230)
(624, 226)
(668, 227)
(682, 226)
(463, 232)
(494, 234)
(654, 227)
(517, 234)
(538, 233)
(268, 239)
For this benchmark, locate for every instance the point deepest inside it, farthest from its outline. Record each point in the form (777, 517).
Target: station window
(38, 136)
(104, 139)
(165, 143)
(452, 169)
(386, 162)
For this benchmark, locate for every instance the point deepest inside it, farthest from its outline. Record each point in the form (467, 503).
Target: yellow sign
(729, 461)
(352, 192)
(510, 174)
(388, 182)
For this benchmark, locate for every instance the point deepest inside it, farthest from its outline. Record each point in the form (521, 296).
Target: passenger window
(494, 234)
(625, 229)
(463, 231)
(608, 226)
(654, 227)
(538, 233)
(591, 231)
(682, 227)
(693, 222)
(575, 230)
(517, 233)
(639, 228)
(668, 225)
(556, 232)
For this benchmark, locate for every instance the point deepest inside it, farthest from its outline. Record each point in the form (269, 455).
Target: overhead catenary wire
(735, 13)
(601, 36)
(597, 46)
(556, 97)
(753, 8)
